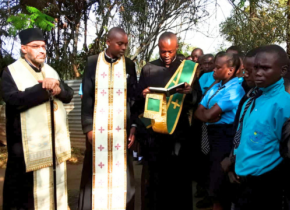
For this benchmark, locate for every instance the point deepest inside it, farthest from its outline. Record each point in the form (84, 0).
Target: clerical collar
(172, 60)
(33, 67)
(111, 60)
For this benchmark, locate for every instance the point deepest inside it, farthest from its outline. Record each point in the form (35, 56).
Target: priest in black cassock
(108, 93)
(168, 155)
(26, 88)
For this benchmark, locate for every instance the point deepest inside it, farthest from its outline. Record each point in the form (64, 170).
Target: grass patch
(77, 156)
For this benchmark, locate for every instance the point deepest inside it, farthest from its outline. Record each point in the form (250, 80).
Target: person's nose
(42, 50)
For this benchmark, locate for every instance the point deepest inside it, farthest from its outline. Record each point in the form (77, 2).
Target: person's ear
(23, 49)
(108, 42)
(231, 71)
(284, 70)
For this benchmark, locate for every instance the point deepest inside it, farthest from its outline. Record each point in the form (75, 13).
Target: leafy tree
(256, 23)
(144, 20)
(34, 19)
(185, 49)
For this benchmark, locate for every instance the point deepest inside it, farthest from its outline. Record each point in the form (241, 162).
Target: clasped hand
(52, 85)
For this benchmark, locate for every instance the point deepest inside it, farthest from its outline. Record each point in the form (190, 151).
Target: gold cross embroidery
(174, 82)
(175, 104)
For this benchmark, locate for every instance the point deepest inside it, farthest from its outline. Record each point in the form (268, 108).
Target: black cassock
(88, 100)
(169, 157)
(18, 185)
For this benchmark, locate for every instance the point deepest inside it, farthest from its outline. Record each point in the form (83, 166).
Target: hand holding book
(183, 88)
(186, 90)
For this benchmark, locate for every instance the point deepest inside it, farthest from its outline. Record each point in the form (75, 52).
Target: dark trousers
(221, 140)
(166, 178)
(261, 192)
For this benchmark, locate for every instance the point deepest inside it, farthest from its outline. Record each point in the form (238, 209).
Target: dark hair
(233, 60)
(221, 52)
(195, 49)
(167, 35)
(180, 57)
(252, 53)
(114, 31)
(282, 56)
(206, 56)
(234, 48)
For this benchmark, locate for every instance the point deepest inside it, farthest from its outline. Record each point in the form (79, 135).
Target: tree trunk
(75, 50)
(288, 28)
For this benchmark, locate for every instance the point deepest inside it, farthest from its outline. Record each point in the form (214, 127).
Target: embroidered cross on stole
(109, 136)
(163, 111)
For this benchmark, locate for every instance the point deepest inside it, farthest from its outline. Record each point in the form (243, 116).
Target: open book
(169, 91)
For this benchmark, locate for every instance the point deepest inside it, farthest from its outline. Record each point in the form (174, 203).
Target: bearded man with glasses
(27, 85)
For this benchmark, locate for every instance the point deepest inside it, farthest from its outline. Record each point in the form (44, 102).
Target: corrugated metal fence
(73, 110)
(74, 118)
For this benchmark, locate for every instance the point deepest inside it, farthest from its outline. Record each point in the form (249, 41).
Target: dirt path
(74, 178)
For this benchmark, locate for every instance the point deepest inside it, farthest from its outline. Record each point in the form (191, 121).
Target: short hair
(282, 56)
(115, 30)
(252, 53)
(167, 35)
(180, 56)
(221, 52)
(207, 56)
(233, 60)
(234, 48)
(195, 49)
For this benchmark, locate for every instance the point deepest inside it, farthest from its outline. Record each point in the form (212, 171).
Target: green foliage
(260, 23)
(35, 19)
(185, 49)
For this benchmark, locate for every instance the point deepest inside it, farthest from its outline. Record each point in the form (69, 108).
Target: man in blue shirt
(258, 161)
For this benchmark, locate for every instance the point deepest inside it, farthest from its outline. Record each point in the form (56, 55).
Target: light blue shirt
(241, 79)
(258, 151)
(81, 90)
(205, 81)
(228, 99)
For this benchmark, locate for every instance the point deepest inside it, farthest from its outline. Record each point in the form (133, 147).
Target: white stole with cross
(109, 135)
(36, 139)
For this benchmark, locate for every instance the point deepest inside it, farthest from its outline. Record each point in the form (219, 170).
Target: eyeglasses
(36, 47)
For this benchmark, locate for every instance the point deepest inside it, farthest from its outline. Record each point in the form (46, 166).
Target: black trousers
(261, 192)
(166, 176)
(221, 140)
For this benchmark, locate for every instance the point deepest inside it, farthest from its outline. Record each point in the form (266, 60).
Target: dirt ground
(74, 177)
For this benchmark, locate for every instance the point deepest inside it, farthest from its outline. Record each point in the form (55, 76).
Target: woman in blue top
(218, 109)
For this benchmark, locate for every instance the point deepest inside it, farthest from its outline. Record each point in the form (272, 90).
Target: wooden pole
(53, 151)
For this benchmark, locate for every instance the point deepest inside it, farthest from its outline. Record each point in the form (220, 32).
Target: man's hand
(145, 91)
(56, 91)
(49, 83)
(132, 137)
(90, 136)
(226, 164)
(234, 179)
(186, 90)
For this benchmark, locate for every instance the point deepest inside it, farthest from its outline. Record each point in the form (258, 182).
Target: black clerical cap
(30, 35)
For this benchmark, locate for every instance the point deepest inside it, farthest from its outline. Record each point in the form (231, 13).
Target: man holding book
(167, 142)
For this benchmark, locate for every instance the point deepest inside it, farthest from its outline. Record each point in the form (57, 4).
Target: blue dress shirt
(205, 81)
(228, 99)
(258, 151)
